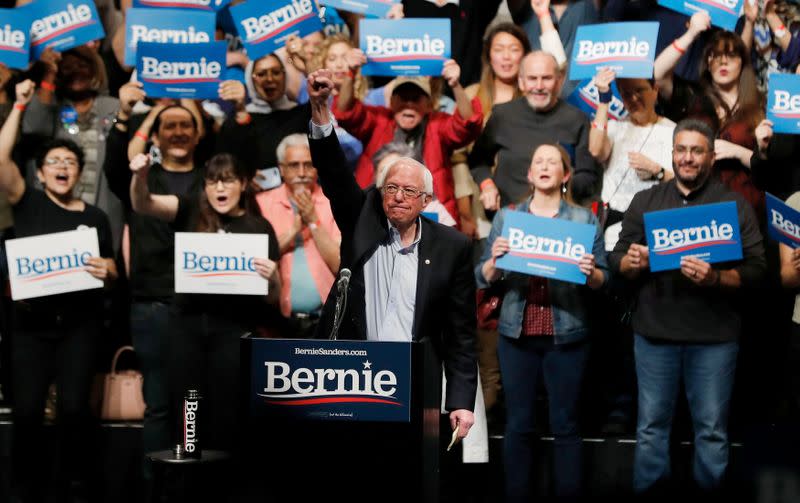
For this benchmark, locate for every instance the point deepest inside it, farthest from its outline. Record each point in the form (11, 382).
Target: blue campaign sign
(265, 25)
(206, 5)
(783, 102)
(709, 232)
(723, 13)
(181, 71)
(404, 46)
(370, 8)
(63, 25)
(783, 221)
(586, 98)
(15, 42)
(627, 48)
(166, 26)
(330, 380)
(546, 247)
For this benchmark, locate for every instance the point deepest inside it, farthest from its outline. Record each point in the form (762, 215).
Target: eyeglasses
(726, 55)
(408, 192)
(66, 161)
(227, 182)
(273, 73)
(294, 166)
(681, 150)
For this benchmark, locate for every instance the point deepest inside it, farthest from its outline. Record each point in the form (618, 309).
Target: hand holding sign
(233, 91)
(266, 268)
(98, 267)
(603, 79)
(355, 59)
(699, 22)
(50, 58)
(796, 259)
(751, 10)
(699, 271)
(24, 91)
(500, 247)
(396, 12)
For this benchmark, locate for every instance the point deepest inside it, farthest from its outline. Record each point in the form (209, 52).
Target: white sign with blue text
(50, 264)
(15, 27)
(63, 25)
(709, 232)
(206, 5)
(219, 263)
(627, 48)
(370, 8)
(586, 98)
(265, 25)
(404, 46)
(166, 26)
(547, 247)
(783, 103)
(181, 71)
(783, 221)
(723, 13)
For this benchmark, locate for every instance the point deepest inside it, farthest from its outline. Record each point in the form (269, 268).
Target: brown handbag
(117, 396)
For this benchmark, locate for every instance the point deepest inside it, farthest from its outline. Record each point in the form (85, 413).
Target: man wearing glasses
(686, 322)
(411, 278)
(307, 235)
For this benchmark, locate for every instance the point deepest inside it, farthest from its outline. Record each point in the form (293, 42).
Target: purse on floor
(117, 396)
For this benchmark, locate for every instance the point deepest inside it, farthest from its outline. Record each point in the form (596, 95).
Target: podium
(338, 419)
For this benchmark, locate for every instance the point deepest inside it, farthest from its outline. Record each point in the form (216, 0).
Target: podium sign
(330, 380)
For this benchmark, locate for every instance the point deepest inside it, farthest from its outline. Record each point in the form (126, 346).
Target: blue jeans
(149, 322)
(562, 367)
(707, 371)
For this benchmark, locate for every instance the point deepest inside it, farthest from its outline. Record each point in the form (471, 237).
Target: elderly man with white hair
(411, 278)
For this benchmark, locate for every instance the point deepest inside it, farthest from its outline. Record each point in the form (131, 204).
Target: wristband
(780, 31)
(597, 126)
(677, 47)
(605, 97)
(545, 14)
(20, 106)
(244, 120)
(314, 225)
(47, 86)
(486, 183)
(140, 134)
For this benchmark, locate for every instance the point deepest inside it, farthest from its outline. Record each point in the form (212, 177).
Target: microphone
(341, 302)
(344, 280)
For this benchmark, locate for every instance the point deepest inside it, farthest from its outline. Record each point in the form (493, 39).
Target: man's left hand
(463, 419)
(699, 271)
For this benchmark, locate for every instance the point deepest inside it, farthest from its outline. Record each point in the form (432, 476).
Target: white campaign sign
(219, 263)
(52, 263)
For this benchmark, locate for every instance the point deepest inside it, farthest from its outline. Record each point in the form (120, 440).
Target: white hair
(292, 140)
(427, 177)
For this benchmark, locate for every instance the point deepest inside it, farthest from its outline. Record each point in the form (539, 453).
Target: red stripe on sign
(53, 274)
(610, 58)
(314, 401)
(695, 245)
(544, 257)
(282, 28)
(63, 30)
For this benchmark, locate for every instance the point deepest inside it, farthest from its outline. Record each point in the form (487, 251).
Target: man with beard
(307, 236)
(518, 127)
(686, 322)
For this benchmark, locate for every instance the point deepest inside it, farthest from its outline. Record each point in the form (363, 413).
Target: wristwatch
(660, 175)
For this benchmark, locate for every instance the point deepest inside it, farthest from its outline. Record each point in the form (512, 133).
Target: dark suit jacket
(445, 300)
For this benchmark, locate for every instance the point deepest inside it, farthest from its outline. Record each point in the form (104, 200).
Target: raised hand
(233, 91)
(604, 78)
(451, 72)
(130, 94)
(764, 134)
(699, 22)
(24, 91)
(140, 164)
(355, 58)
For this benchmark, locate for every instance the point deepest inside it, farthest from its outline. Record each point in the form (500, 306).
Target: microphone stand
(341, 303)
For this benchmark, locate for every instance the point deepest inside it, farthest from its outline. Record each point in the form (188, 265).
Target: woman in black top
(54, 337)
(205, 328)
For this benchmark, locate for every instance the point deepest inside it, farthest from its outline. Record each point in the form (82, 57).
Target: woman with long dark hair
(726, 98)
(543, 329)
(54, 338)
(205, 328)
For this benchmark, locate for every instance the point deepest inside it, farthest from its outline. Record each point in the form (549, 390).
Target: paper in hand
(453, 439)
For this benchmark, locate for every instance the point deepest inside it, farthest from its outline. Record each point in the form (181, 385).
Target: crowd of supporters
(82, 145)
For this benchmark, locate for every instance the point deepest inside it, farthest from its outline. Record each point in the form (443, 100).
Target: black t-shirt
(36, 214)
(250, 310)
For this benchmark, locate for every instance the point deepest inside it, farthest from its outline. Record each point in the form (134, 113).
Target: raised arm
(549, 40)
(163, 207)
(666, 61)
(599, 143)
(11, 180)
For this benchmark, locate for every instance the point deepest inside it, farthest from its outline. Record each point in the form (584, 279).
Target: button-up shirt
(669, 306)
(390, 288)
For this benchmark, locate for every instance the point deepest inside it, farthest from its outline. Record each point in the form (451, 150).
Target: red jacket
(375, 127)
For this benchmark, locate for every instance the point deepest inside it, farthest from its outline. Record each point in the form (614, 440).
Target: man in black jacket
(411, 278)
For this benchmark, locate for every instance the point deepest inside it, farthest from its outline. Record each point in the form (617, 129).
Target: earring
(563, 188)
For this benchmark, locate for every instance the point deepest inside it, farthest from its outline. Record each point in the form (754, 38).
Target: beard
(695, 182)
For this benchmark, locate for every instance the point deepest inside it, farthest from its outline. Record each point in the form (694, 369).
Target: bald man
(411, 278)
(518, 127)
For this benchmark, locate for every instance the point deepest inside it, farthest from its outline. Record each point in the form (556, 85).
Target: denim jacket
(568, 300)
